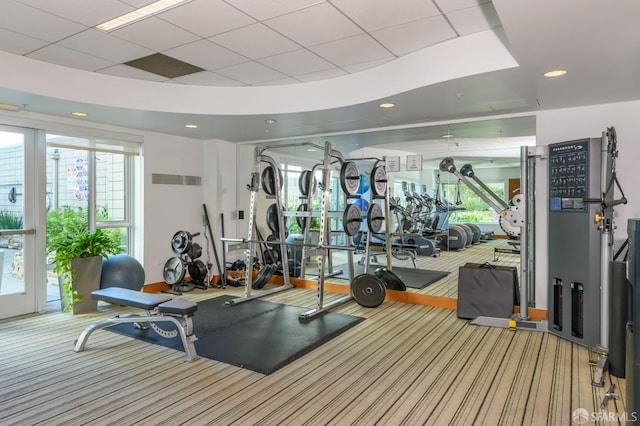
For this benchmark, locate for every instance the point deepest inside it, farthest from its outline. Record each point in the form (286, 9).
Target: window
(474, 208)
(94, 175)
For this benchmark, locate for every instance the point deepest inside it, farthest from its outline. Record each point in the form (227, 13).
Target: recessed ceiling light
(555, 73)
(387, 105)
(270, 121)
(191, 126)
(137, 14)
(79, 114)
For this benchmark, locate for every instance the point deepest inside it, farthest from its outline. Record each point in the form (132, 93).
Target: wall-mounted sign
(392, 164)
(414, 162)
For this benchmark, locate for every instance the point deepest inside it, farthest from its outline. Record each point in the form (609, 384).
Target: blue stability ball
(362, 204)
(121, 270)
(364, 184)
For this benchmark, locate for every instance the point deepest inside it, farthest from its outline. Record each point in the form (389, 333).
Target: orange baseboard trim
(396, 296)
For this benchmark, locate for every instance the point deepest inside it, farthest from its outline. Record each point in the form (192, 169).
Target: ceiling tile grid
(98, 43)
(19, 44)
(287, 40)
(33, 22)
(374, 15)
(315, 25)
(87, 13)
(61, 55)
(415, 35)
(206, 54)
(207, 18)
(255, 41)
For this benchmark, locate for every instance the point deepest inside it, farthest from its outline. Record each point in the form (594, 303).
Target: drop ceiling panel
(407, 38)
(262, 10)
(447, 6)
(366, 65)
(251, 73)
(207, 78)
(474, 19)
(281, 81)
(322, 75)
(104, 45)
(18, 43)
(130, 72)
(89, 13)
(377, 14)
(147, 33)
(36, 23)
(352, 50)
(207, 18)
(297, 62)
(70, 58)
(255, 41)
(314, 25)
(206, 54)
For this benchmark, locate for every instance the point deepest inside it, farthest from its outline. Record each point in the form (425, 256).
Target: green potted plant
(76, 255)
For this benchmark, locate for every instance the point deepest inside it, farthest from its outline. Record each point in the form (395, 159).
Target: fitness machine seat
(158, 307)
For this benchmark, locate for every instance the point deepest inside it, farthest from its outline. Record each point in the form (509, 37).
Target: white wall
(575, 123)
(170, 208)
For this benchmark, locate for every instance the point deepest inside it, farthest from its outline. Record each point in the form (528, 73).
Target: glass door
(18, 216)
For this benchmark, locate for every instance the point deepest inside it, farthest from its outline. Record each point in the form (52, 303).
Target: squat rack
(251, 241)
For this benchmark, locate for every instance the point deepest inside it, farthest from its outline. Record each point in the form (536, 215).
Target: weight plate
(174, 271)
(375, 218)
(272, 218)
(181, 242)
(507, 227)
(368, 290)
(379, 181)
(390, 279)
(304, 182)
(299, 219)
(195, 251)
(197, 270)
(268, 180)
(263, 276)
(349, 178)
(351, 220)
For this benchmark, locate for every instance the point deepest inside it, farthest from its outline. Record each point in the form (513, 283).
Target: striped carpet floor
(404, 365)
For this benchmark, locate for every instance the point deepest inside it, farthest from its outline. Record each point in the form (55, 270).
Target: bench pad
(126, 297)
(178, 306)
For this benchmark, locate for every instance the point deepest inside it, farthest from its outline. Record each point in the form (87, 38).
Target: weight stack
(618, 317)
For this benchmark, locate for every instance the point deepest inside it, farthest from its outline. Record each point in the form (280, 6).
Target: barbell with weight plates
(379, 181)
(375, 218)
(349, 178)
(368, 290)
(351, 220)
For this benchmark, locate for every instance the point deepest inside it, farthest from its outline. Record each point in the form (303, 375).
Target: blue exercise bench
(159, 308)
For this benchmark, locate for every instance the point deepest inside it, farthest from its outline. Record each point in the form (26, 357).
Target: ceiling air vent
(164, 65)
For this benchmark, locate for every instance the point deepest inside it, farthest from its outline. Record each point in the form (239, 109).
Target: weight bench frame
(159, 308)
